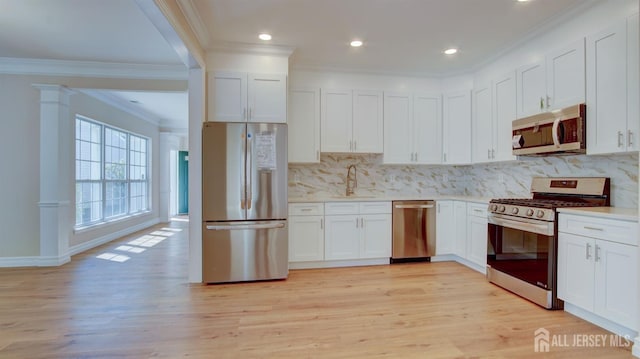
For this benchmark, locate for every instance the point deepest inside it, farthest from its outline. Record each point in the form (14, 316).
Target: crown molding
(28, 66)
(195, 21)
(123, 105)
(246, 48)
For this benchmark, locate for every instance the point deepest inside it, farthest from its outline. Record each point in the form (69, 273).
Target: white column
(197, 100)
(56, 144)
(168, 143)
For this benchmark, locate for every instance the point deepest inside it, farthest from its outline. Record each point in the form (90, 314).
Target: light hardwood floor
(144, 307)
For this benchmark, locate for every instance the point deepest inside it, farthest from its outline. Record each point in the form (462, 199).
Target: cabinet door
(398, 118)
(228, 96)
(531, 90)
(336, 121)
(304, 126)
(445, 228)
(575, 270)
(457, 128)
(375, 240)
(607, 90)
(427, 128)
(565, 76)
(504, 112)
(460, 228)
(616, 278)
(306, 238)
(367, 122)
(477, 237)
(342, 237)
(633, 83)
(267, 98)
(482, 125)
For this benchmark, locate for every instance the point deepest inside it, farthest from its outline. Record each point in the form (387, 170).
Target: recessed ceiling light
(522, 0)
(264, 37)
(450, 51)
(356, 43)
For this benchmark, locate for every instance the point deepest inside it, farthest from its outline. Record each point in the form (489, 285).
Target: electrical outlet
(445, 178)
(296, 178)
(501, 177)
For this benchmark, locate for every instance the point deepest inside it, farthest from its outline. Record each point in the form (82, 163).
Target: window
(111, 173)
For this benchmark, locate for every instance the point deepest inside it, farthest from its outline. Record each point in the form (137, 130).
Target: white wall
(19, 159)
(362, 81)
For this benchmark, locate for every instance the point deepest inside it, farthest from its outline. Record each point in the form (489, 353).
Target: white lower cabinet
(357, 230)
(477, 234)
(451, 228)
(306, 232)
(598, 266)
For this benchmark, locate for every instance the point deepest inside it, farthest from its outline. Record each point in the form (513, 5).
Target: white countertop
(385, 198)
(626, 214)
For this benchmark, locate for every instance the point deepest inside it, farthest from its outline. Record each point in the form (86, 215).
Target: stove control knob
(502, 209)
(529, 212)
(540, 214)
(514, 210)
(493, 207)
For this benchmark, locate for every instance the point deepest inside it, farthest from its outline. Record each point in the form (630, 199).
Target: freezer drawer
(244, 251)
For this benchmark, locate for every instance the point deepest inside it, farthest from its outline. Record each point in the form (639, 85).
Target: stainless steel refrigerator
(244, 202)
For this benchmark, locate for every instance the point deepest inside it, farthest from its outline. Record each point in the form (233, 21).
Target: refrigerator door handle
(227, 227)
(249, 170)
(243, 187)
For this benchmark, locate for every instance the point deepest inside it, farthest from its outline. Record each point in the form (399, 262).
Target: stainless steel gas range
(522, 235)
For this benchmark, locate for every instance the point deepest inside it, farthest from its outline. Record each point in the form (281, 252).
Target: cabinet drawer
(375, 207)
(601, 228)
(341, 208)
(306, 209)
(477, 210)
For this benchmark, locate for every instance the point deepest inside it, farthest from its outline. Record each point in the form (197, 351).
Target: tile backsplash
(493, 180)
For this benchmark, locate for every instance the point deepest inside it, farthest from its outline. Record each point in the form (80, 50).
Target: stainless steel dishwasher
(414, 231)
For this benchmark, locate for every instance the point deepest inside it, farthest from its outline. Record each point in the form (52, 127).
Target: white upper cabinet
(427, 128)
(242, 97)
(398, 127)
(504, 112)
(612, 89)
(456, 128)
(556, 82)
(412, 128)
(367, 122)
(304, 125)
(351, 121)
(482, 124)
(565, 76)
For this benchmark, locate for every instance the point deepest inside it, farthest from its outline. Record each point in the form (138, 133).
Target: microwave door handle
(554, 132)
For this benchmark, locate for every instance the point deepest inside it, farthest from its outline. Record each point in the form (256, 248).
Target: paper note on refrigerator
(266, 151)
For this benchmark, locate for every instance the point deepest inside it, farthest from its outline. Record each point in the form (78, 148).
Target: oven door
(522, 249)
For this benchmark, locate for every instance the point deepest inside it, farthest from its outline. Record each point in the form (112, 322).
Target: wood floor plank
(144, 307)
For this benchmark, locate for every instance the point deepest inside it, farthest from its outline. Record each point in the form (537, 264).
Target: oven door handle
(544, 228)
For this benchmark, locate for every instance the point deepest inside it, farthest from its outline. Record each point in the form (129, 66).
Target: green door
(183, 182)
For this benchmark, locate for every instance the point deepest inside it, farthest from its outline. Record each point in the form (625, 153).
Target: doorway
(183, 182)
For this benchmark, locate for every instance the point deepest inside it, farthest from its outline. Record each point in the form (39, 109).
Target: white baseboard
(33, 261)
(38, 261)
(614, 328)
(636, 347)
(79, 248)
(335, 264)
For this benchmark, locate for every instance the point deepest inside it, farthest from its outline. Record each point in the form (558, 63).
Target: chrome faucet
(351, 182)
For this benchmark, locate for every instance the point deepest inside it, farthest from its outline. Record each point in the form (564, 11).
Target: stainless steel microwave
(559, 131)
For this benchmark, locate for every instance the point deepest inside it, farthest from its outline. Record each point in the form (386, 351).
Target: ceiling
(400, 36)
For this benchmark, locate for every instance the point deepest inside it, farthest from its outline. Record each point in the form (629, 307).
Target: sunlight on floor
(139, 244)
(180, 219)
(114, 257)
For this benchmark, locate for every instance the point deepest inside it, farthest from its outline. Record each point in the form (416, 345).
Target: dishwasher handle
(413, 206)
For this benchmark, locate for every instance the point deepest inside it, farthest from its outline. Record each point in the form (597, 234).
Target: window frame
(128, 181)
